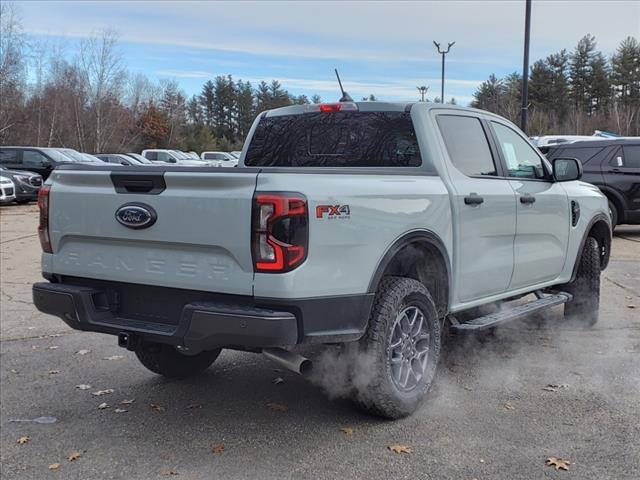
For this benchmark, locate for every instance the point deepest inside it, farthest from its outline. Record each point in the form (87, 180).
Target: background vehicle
(139, 158)
(26, 184)
(121, 159)
(366, 224)
(7, 190)
(220, 159)
(35, 159)
(236, 153)
(614, 167)
(77, 156)
(171, 156)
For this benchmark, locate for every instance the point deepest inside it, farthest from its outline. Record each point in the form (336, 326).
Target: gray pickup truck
(366, 224)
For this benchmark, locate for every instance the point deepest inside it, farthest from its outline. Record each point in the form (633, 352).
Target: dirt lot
(490, 414)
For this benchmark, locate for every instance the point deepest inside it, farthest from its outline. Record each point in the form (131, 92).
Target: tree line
(92, 103)
(573, 92)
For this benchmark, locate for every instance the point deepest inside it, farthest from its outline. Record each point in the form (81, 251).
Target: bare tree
(12, 67)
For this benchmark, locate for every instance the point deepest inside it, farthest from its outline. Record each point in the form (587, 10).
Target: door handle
(527, 199)
(473, 199)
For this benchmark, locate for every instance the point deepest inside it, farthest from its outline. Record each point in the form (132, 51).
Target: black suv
(27, 184)
(614, 167)
(34, 159)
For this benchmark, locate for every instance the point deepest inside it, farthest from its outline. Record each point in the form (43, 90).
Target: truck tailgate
(200, 240)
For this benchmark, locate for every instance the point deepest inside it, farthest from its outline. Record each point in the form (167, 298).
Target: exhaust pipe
(289, 360)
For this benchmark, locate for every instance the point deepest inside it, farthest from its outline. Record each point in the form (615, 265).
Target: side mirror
(566, 169)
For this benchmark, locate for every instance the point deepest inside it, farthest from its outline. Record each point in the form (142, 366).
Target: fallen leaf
(23, 440)
(114, 357)
(102, 392)
(168, 471)
(508, 406)
(398, 448)
(559, 463)
(75, 455)
(83, 352)
(554, 387)
(127, 402)
(104, 405)
(157, 408)
(278, 380)
(54, 372)
(120, 410)
(277, 407)
(83, 386)
(347, 430)
(218, 448)
(54, 466)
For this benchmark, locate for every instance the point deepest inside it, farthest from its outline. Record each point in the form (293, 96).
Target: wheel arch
(617, 199)
(421, 255)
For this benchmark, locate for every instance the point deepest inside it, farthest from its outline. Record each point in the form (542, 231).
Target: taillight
(280, 232)
(43, 226)
(337, 107)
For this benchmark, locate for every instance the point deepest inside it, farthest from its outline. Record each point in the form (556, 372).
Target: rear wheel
(585, 288)
(401, 348)
(167, 361)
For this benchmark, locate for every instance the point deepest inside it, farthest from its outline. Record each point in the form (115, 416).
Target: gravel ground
(488, 415)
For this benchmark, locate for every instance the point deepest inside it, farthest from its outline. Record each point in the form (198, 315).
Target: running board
(508, 314)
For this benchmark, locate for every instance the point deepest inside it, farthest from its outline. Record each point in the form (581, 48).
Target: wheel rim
(409, 348)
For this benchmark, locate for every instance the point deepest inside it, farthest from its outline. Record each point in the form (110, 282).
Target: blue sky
(384, 48)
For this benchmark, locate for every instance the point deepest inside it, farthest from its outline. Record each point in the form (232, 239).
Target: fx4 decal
(332, 211)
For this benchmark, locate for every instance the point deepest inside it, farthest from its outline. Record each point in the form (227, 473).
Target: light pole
(443, 53)
(525, 68)
(423, 91)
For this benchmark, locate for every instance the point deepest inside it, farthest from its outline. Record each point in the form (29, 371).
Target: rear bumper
(201, 320)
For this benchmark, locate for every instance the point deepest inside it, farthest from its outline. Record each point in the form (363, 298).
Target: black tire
(583, 308)
(381, 395)
(167, 361)
(613, 210)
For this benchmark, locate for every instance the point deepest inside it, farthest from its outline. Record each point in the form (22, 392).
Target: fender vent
(575, 213)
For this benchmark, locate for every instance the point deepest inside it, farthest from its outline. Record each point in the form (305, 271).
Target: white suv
(7, 191)
(220, 159)
(171, 157)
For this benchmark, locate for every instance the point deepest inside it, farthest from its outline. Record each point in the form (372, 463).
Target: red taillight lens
(280, 231)
(43, 226)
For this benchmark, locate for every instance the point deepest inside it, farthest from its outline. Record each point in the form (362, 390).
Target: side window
(208, 156)
(467, 145)
(163, 156)
(31, 158)
(8, 157)
(521, 158)
(631, 156)
(153, 156)
(584, 154)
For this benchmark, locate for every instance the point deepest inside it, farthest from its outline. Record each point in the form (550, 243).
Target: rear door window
(8, 157)
(584, 154)
(467, 145)
(631, 156)
(152, 156)
(32, 158)
(335, 139)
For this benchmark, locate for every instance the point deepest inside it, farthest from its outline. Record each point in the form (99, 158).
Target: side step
(494, 319)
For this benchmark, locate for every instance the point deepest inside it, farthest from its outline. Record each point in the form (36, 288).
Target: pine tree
(625, 74)
(580, 73)
(207, 99)
(245, 109)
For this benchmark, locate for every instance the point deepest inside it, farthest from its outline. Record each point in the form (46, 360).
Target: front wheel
(401, 348)
(167, 361)
(585, 289)
(613, 212)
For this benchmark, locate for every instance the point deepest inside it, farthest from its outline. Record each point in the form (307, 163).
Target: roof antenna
(345, 96)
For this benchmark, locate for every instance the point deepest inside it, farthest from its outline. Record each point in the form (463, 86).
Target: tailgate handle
(138, 182)
(138, 186)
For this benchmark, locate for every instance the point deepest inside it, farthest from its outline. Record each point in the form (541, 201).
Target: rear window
(336, 139)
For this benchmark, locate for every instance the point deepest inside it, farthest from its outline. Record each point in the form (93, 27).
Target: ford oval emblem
(136, 215)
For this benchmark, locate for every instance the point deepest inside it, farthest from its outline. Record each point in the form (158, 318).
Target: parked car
(121, 159)
(26, 184)
(220, 159)
(614, 167)
(157, 155)
(7, 190)
(370, 225)
(35, 159)
(78, 156)
(139, 158)
(236, 153)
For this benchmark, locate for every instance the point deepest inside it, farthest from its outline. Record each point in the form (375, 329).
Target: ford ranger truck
(370, 225)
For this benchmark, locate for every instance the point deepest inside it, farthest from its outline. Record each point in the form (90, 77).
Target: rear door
(201, 239)
(543, 211)
(622, 174)
(484, 206)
